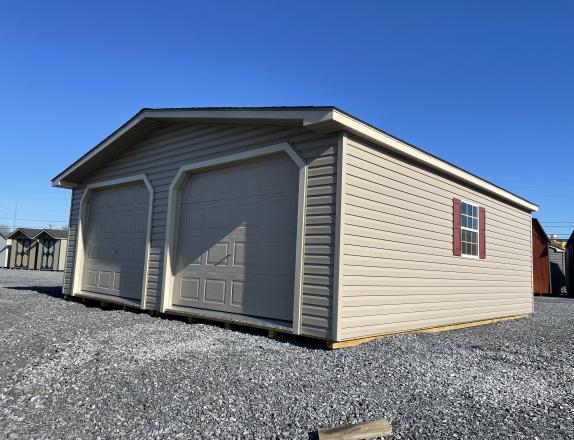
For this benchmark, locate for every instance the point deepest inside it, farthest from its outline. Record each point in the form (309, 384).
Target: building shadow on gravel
(283, 338)
(53, 291)
(300, 341)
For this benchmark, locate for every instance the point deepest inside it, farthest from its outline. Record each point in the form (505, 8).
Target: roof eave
(378, 137)
(320, 119)
(297, 117)
(16, 231)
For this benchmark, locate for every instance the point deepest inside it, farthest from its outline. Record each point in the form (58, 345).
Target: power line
(33, 220)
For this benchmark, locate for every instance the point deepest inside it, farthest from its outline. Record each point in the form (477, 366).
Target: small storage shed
(23, 249)
(540, 260)
(52, 247)
(4, 249)
(570, 264)
(305, 220)
(557, 259)
(37, 249)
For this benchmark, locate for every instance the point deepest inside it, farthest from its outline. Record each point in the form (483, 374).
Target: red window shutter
(456, 246)
(482, 233)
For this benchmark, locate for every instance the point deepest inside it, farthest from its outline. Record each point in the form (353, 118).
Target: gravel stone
(68, 371)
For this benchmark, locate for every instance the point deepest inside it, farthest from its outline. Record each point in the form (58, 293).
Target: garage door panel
(217, 254)
(190, 288)
(236, 247)
(115, 241)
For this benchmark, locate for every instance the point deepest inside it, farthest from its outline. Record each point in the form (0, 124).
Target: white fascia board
(311, 116)
(381, 138)
(60, 181)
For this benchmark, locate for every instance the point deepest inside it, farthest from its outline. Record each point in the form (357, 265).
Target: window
(469, 229)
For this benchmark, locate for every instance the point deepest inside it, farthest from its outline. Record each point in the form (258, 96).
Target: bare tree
(5, 229)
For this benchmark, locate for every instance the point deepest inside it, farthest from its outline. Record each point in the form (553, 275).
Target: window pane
(463, 221)
(474, 224)
(469, 242)
(474, 211)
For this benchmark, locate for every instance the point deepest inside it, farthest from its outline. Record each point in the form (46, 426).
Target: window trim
(477, 230)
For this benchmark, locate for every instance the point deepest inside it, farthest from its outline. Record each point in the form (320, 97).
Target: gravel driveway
(68, 371)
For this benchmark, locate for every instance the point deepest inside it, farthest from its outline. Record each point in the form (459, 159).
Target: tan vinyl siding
(398, 270)
(163, 152)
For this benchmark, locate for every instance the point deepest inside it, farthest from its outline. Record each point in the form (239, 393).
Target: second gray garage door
(237, 238)
(115, 241)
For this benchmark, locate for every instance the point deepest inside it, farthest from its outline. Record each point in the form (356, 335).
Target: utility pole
(15, 212)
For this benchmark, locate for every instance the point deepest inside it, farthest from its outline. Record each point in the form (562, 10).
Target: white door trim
(79, 258)
(173, 203)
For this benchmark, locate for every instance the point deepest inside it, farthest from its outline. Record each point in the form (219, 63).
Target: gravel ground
(68, 371)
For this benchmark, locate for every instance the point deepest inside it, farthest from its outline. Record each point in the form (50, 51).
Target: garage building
(301, 219)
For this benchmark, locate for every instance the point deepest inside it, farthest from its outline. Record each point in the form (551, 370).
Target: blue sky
(487, 85)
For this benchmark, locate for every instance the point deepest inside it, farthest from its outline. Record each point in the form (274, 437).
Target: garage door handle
(223, 259)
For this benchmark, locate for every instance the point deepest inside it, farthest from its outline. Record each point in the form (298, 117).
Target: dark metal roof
(264, 108)
(28, 232)
(55, 233)
(34, 232)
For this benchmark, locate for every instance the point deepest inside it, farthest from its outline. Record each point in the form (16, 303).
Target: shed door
(115, 241)
(22, 253)
(236, 239)
(48, 254)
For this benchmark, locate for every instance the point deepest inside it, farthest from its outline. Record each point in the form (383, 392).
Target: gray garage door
(236, 240)
(115, 241)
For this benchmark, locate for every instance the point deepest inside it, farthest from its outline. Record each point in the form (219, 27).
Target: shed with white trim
(4, 249)
(301, 219)
(37, 249)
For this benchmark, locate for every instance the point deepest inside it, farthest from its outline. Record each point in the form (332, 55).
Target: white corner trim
(300, 244)
(339, 237)
(80, 251)
(381, 138)
(172, 219)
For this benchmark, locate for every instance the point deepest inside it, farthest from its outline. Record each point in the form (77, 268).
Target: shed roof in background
(35, 232)
(28, 232)
(538, 225)
(322, 119)
(54, 233)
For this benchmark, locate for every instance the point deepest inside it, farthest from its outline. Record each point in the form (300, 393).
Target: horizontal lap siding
(77, 194)
(398, 270)
(163, 153)
(557, 270)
